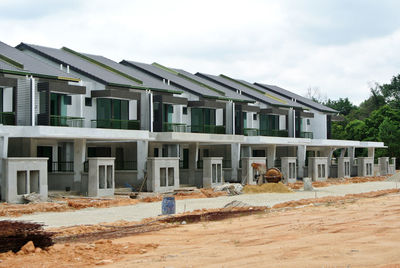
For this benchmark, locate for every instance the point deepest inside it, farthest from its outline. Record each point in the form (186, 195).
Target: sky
(339, 48)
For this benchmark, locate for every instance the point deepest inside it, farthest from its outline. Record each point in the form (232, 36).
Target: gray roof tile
(305, 101)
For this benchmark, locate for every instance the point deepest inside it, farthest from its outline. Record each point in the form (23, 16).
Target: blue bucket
(168, 205)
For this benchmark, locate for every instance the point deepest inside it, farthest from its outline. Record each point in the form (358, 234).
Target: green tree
(391, 92)
(343, 106)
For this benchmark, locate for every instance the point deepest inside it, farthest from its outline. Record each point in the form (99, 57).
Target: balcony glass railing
(307, 135)
(274, 133)
(250, 132)
(116, 124)
(175, 127)
(66, 121)
(60, 166)
(7, 118)
(208, 129)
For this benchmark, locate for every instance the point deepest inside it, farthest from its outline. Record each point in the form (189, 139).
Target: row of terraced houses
(64, 109)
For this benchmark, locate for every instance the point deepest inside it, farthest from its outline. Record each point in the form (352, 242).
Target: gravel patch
(145, 210)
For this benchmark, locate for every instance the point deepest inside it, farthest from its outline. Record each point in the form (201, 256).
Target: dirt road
(364, 233)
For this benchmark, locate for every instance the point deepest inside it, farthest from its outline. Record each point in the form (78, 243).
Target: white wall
(318, 125)
(7, 99)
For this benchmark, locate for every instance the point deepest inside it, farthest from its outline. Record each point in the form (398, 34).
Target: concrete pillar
(235, 157)
(371, 152)
(301, 159)
(291, 123)
(343, 152)
(271, 154)
(230, 118)
(3, 155)
(193, 155)
(79, 159)
(246, 151)
(146, 111)
(33, 148)
(142, 152)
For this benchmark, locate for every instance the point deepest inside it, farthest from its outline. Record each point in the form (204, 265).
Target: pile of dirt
(16, 210)
(15, 234)
(101, 252)
(337, 181)
(80, 203)
(333, 199)
(267, 188)
(210, 193)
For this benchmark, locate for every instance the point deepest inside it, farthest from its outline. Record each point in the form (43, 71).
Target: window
(67, 100)
(184, 110)
(308, 122)
(88, 102)
(254, 116)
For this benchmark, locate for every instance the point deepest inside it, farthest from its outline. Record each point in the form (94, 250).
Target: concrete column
(79, 159)
(246, 151)
(193, 154)
(371, 152)
(301, 159)
(291, 123)
(230, 118)
(146, 111)
(235, 157)
(271, 155)
(141, 158)
(343, 152)
(33, 148)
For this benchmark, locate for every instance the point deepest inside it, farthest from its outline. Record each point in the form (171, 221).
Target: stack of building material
(15, 234)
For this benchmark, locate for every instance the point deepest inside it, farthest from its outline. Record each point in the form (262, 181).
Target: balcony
(7, 118)
(66, 121)
(175, 127)
(250, 132)
(67, 166)
(274, 133)
(208, 129)
(116, 124)
(307, 135)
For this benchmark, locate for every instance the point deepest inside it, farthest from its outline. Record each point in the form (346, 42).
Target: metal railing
(274, 133)
(250, 132)
(175, 127)
(66, 121)
(116, 124)
(125, 165)
(208, 129)
(7, 118)
(183, 164)
(66, 166)
(307, 135)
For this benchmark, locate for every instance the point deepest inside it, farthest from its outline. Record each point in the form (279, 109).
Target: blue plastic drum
(168, 205)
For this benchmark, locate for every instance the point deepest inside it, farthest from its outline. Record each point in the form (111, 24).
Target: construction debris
(308, 184)
(33, 198)
(15, 235)
(230, 188)
(236, 204)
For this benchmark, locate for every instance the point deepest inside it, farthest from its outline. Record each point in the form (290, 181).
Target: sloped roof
(228, 92)
(88, 65)
(237, 85)
(15, 61)
(303, 100)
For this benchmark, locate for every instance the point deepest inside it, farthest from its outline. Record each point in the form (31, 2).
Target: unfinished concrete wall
(212, 172)
(289, 169)
(60, 181)
(365, 166)
(101, 176)
(343, 167)
(392, 165)
(24, 176)
(248, 172)
(318, 168)
(162, 174)
(383, 163)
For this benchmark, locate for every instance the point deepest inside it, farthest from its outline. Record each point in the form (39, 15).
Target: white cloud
(275, 42)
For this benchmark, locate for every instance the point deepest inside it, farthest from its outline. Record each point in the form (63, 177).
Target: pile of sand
(267, 188)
